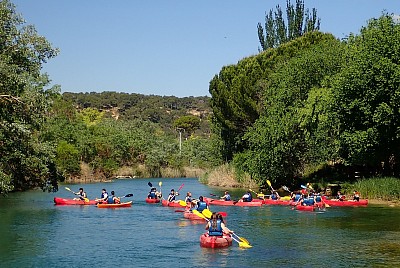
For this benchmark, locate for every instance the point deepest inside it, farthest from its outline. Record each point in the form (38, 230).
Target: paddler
(226, 197)
(104, 196)
(82, 194)
(216, 226)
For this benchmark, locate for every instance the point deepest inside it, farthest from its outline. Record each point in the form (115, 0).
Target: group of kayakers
(105, 198)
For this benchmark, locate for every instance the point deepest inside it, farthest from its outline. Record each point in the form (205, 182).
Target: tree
(188, 122)
(277, 31)
(367, 101)
(25, 160)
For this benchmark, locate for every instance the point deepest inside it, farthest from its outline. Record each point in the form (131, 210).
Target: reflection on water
(35, 233)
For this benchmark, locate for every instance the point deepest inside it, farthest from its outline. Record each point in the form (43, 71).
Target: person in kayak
(340, 197)
(152, 194)
(172, 195)
(104, 196)
(226, 197)
(247, 197)
(274, 195)
(200, 205)
(82, 194)
(216, 226)
(188, 198)
(112, 199)
(356, 196)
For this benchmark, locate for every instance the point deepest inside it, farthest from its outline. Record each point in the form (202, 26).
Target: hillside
(157, 109)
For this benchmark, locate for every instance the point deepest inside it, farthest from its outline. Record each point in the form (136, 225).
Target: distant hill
(157, 109)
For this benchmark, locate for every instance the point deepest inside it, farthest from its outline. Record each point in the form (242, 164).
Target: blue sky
(166, 47)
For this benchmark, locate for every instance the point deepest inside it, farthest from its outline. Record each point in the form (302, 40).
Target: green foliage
(278, 32)
(67, 158)
(367, 100)
(188, 122)
(25, 160)
(386, 188)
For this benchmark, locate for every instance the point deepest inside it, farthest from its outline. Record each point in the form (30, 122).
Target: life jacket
(228, 197)
(247, 198)
(297, 197)
(309, 201)
(274, 197)
(152, 195)
(171, 197)
(201, 206)
(318, 199)
(215, 231)
(188, 199)
(110, 200)
(103, 195)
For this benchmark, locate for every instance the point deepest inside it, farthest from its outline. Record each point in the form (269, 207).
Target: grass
(386, 188)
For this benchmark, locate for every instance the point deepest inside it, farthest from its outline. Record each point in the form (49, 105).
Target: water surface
(36, 233)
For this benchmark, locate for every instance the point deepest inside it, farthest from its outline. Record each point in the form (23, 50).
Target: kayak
(120, 205)
(152, 200)
(207, 241)
(67, 201)
(305, 208)
(279, 202)
(165, 203)
(346, 203)
(216, 202)
(191, 216)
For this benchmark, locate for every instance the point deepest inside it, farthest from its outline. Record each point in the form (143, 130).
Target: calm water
(36, 233)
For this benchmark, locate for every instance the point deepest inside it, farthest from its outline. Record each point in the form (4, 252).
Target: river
(36, 233)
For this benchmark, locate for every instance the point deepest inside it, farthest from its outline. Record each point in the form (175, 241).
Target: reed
(386, 188)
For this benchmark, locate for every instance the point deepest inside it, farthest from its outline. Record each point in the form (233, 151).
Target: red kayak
(207, 241)
(65, 201)
(152, 200)
(216, 202)
(191, 216)
(165, 203)
(346, 203)
(120, 205)
(276, 202)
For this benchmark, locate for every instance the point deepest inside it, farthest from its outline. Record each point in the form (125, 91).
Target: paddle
(179, 210)
(150, 184)
(286, 188)
(258, 195)
(213, 194)
(81, 197)
(160, 184)
(245, 242)
(180, 188)
(128, 195)
(207, 213)
(270, 185)
(182, 203)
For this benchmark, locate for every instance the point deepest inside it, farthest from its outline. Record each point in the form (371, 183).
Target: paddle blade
(302, 186)
(269, 183)
(207, 213)
(223, 214)
(244, 245)
(150, 184)
(128, 195)
(197, 213)
(160, 183)
(182, 203)
(285, 188)
(66, 188)
(179, 210)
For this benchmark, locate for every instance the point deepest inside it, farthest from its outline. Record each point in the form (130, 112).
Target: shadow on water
(36, 233)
